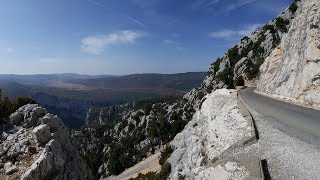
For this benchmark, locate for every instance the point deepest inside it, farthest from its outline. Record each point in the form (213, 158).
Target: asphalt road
(298, 121)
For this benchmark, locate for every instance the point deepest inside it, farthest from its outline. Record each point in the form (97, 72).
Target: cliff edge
(36, 145)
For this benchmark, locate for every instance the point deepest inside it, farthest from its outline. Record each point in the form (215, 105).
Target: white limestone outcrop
(216, 127)
(38, 146)
(292, 70)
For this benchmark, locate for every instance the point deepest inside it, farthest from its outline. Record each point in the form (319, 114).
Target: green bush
(252, 69)
(120, 156)
(216, 65)
(282, 24)
(7, 106)
(176, 127)
(234, 56)
(226, 76)
(293, 7)
(165, 154)
(152, 130)
(209, 88)
(94, 161)
(165, 171)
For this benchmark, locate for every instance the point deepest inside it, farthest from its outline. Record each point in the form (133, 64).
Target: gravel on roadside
(287, 156)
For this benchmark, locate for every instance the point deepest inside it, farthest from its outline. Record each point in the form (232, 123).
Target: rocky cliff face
(242, 62)
(215, 128)
(37, 145)
(292, 70)
(126, 134)
(139, 132)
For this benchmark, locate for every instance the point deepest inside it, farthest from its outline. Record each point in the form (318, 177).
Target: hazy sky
(124, 36)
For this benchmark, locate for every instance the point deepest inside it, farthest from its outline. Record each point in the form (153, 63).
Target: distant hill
(71, 95)
(180, 82)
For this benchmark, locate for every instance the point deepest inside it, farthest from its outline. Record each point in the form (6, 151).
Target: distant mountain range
(71, 95)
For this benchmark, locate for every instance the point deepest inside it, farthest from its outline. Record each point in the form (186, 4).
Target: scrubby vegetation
(165, 154)
(253, 68)
(216, 65)
(226, 76)
(282, 24)
(167, 116)
(7, 106)
(253, 46)
(293, 7)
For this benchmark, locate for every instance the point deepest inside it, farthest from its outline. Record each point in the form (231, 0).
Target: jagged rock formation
(128, 133)
(242, 61)
(292, 70)
(37, 145)
(216, 127)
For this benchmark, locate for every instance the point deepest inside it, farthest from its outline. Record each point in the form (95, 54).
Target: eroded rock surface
(215, 128)
(39, 146)
(292, 70)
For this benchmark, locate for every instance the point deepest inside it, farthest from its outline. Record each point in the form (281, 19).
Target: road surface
(298, 121)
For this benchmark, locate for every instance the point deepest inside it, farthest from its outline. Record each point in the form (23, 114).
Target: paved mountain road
(297, 121)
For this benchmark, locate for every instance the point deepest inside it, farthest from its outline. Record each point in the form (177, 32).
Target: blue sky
(124, 36)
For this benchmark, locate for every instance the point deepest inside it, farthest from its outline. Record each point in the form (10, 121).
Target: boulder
(9, 168)
(16, 118)
(42, 133)
(43, 139)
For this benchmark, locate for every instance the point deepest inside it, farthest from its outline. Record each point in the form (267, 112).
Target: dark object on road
(265, 169)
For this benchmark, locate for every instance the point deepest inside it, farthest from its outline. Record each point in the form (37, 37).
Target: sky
(117, 37)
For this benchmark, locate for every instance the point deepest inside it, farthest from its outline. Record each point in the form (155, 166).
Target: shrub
(200, 95)
(165, 154)
(177, 126)
(314, 26)
(253, 69)
(165, 171)
(245, 38)
(131, 127)
(7, 106)
(216, 65)
(94, 161)
(209, 88)
(233, 55)
(226, 76)
(293, 7)
(152, 130)
(148, 109)
(282, 24)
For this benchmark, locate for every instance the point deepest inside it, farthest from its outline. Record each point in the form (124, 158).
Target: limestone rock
(9, 168)
(292, 70)
(42, 133)
(219, 126)
(40, 147)
(16, 118)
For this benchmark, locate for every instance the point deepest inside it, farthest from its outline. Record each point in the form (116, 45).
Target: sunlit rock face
(37, 145)
(292, 70)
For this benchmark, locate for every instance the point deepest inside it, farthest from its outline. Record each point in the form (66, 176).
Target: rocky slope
(242, 62)
(37, 145)
(139, 131)
(124, 135)
(292, 70)
(215, 128)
